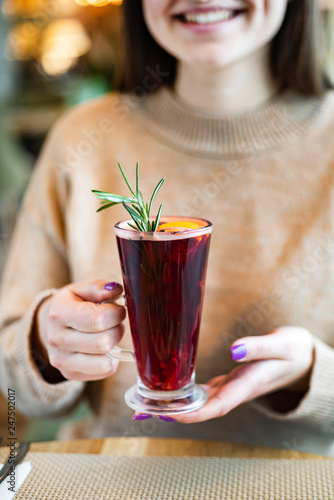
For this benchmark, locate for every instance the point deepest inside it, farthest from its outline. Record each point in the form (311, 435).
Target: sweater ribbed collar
(280, 122)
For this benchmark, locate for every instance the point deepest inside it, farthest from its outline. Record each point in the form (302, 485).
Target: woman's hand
(280, 360)
(77, 326)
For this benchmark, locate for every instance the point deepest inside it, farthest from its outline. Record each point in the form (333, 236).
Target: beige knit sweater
(266, 181)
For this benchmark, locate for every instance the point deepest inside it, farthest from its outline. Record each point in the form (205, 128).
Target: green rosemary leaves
(138, 210)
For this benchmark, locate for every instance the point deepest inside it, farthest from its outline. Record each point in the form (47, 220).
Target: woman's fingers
(85, 316)
(89, 318)
(255, 348)
(241, 385)
(91, 364)
(224, 395)
(282, 343)
(81, 323)
(278, 360)
(78, 366)
(95, 291)
(89, 343)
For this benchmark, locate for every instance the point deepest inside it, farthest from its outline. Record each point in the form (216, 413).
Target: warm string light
(54, 37)
(98, 3)
(22, 41)
(64, 40)
(38, 9)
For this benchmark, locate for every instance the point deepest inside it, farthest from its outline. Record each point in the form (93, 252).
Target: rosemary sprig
(138, 210)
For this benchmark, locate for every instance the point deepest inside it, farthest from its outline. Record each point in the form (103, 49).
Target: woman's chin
(214, 61)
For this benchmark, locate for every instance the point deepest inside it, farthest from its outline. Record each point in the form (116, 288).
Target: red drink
(164, 277)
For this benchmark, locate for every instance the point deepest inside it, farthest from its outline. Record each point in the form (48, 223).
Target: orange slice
(185, 225)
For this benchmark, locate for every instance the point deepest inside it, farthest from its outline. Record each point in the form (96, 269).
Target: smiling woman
(295, 46)
(230, 30)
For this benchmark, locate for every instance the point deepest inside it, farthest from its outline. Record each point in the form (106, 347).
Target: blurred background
(55, 54)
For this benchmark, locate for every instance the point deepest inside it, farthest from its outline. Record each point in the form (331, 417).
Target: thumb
(270, 346)
(96, 291)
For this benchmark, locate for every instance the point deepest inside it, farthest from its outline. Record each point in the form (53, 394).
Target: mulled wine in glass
(164, 278)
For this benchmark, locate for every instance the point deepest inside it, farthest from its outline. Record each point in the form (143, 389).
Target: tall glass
(164, 277)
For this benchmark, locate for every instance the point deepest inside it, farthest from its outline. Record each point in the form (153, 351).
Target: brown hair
(297, 57)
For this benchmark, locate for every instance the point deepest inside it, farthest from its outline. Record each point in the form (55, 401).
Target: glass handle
(117, 352)
(121, 354)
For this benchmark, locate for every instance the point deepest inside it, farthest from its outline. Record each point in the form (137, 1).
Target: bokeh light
(64, 40)
(22, 41)
(98, 3)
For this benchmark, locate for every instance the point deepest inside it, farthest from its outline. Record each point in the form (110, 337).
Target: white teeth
(209, 17)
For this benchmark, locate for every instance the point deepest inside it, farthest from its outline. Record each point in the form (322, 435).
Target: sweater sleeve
(316, 407)
(36, 266)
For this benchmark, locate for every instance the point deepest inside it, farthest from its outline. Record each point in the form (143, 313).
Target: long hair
(297, 57)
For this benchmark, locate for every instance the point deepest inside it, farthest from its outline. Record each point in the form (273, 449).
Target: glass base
(159, 406)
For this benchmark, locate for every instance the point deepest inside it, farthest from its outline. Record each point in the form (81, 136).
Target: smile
(208, 17)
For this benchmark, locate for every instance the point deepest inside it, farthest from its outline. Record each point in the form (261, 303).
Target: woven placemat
(57, 476)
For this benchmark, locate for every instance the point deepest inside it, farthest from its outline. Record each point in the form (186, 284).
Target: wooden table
(143, 446)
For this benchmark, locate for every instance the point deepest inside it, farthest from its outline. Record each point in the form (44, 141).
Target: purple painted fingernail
(110, 286)
(166, 419)
(238, 352)
(142, 416)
